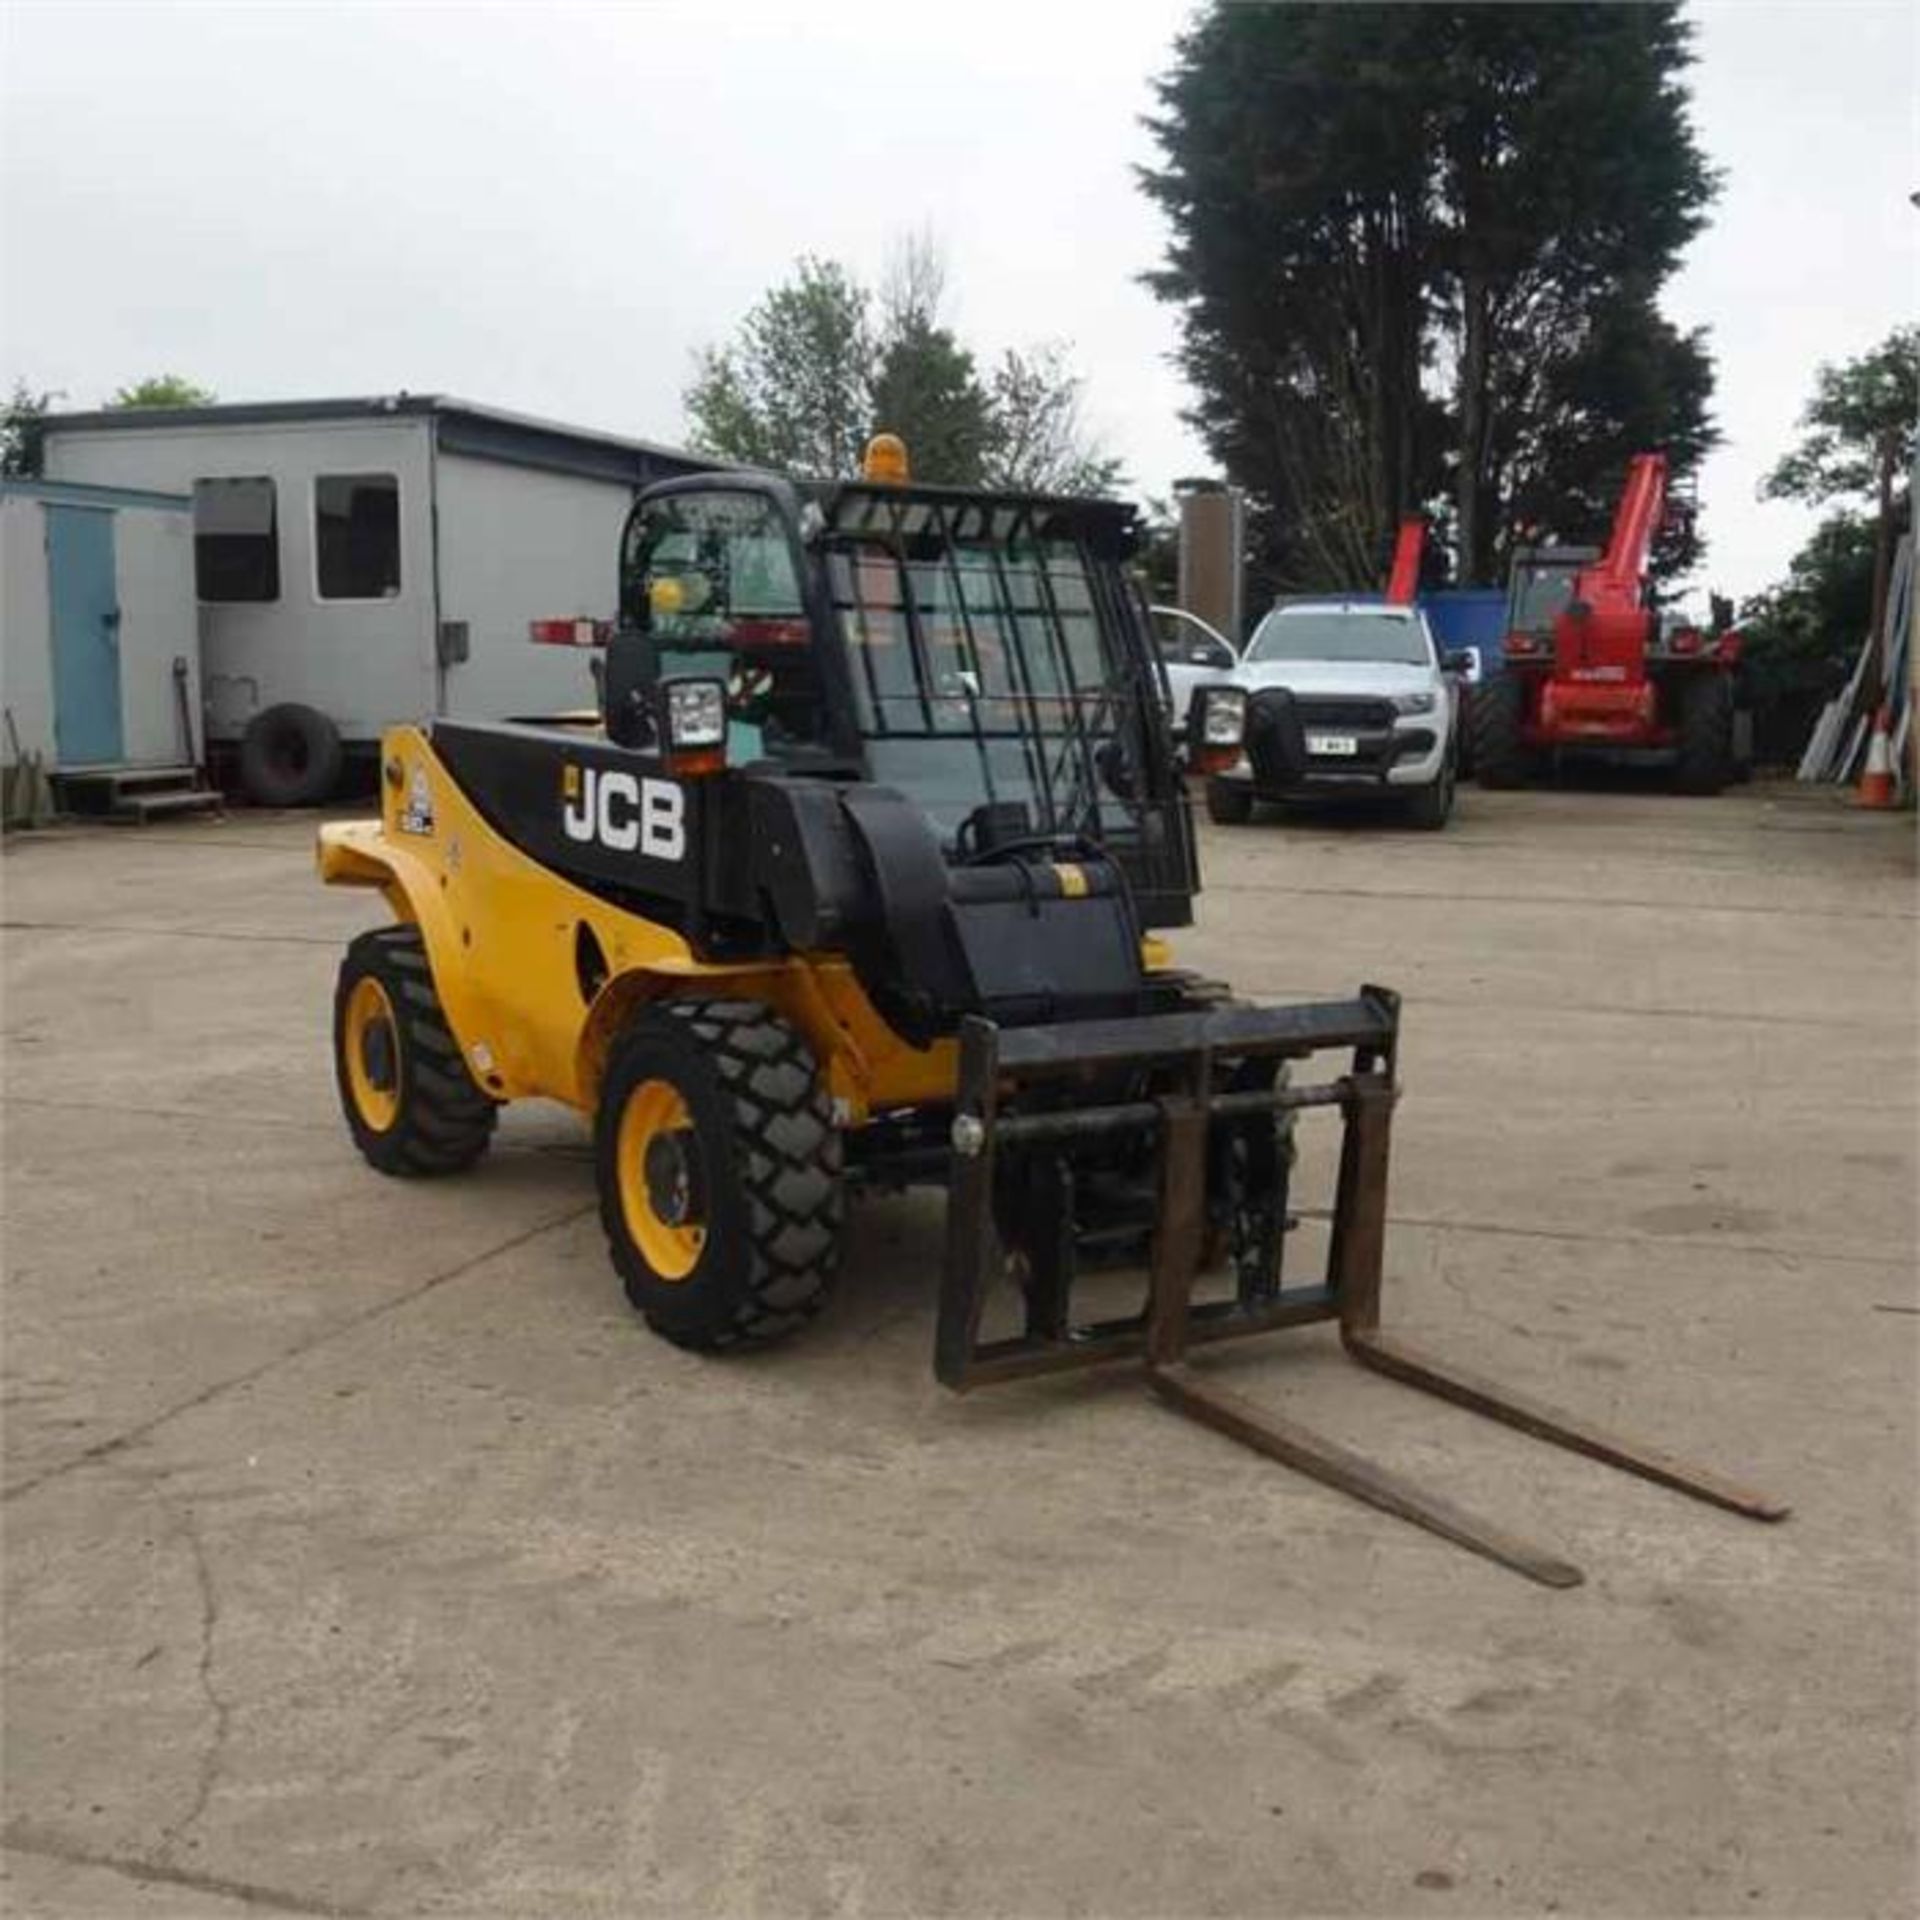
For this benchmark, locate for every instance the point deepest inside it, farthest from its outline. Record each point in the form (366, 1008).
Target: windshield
(1339, 634)
(986, 676)
(1541, 593)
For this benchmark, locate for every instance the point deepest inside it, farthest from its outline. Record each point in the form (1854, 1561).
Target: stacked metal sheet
(1837, 747)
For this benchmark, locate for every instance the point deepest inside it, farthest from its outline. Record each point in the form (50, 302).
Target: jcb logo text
(625, 813)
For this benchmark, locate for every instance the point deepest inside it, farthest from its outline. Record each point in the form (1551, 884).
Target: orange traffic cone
(1876, 783)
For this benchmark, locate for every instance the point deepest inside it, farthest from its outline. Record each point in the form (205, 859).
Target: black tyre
(411, 1103)
(719, 1170)
(1430, 807)
(1229, 803)
(290, 756)
(1500, 755)
(1705, 720)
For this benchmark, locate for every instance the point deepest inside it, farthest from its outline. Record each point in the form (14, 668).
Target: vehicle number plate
(1337, 743)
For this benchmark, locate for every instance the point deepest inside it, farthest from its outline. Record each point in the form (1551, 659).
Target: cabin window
(236, 540)
(356, 536)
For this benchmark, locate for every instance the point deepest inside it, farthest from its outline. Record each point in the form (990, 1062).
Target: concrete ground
(363, 1555)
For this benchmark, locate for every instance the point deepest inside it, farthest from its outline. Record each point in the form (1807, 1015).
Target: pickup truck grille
(1279, 722)
(1331, 713)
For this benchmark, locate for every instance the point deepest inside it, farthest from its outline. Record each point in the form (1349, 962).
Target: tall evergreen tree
(924, 386)
(1417, 252)
(1295, 184)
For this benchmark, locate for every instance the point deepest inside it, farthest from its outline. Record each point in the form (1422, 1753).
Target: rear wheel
(719, 1170)
(1706, 732)
(410, 1102)
(1229, 803)
(1500, 756)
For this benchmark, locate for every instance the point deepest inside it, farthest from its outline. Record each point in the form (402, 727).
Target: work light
(1221, 714)
(696, 715)
(1216, 726)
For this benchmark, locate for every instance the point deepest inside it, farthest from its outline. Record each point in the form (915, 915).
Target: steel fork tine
(1399, 1361)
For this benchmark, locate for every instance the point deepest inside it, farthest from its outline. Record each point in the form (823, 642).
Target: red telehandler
(1591, 664)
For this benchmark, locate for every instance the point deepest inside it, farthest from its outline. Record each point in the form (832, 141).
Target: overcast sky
(550, 208)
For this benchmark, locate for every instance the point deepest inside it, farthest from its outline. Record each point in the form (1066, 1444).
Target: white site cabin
(376, 561)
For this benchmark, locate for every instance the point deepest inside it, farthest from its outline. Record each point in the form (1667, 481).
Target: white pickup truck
(1344, 699)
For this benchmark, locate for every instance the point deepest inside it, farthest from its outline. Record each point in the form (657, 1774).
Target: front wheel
(1430, 807)
(719, 1171)
(410, 1102)
(1229, 803)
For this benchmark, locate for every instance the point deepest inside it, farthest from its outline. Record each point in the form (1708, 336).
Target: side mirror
(627, 680)
(1461, 660)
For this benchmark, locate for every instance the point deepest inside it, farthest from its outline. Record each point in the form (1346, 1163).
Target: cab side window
(1183, 644)
(710, 583)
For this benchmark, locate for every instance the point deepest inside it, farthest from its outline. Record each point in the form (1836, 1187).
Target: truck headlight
(1413, 703)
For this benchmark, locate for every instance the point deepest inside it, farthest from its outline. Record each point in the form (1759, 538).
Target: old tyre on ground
(1500, 755)
(290, 756)
(411, 1103)
(719, 1170)
(1705, 721)
(1229, 803)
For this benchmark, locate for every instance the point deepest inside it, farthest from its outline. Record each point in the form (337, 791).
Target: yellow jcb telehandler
(860, 877)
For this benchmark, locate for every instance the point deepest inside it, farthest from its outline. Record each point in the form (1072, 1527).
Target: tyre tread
(446, 1120)
(788, 1158)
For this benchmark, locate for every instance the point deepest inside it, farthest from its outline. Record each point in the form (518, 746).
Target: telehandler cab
(858, 879)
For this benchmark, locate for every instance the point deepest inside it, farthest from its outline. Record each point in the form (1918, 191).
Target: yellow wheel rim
(371, 1041)
(656, 1156)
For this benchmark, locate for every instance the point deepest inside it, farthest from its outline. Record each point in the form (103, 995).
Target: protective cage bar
(997, 1067)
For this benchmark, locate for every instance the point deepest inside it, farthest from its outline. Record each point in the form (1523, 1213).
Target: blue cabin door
(84, 605)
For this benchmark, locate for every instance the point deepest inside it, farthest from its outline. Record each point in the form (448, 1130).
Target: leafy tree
(1800, 638)
(1157, 566)
(1803, 636)
(163, 390)
(21, 427)
(815, 370)
(1416, 252)
(1037, 442)
(791, 392)
(1858, 408)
